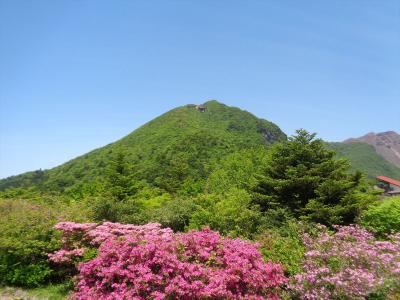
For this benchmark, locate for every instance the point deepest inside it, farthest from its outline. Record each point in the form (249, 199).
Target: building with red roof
(391, 186)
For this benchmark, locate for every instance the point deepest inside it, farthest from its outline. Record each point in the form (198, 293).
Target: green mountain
(180, 147)
(364, 157)
(386, 144)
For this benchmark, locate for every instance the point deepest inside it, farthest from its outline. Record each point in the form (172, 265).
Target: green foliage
(28, 179)
(105, 209)
(238, 170)
(175, 213)
(117, 202)
(119, 184)
(283, 245)
(230, 213)
(384, 217)
(303, 176)
(20, 193)
(364, 157)
(89, 254)
(127, 211)
(23, 273)
(175, 152)
(27, 236)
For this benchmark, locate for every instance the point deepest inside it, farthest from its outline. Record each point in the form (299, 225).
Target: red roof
(388, 180)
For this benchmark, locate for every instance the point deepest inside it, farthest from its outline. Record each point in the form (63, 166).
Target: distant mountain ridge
(374, 153)
(387, 144)
(364, 157)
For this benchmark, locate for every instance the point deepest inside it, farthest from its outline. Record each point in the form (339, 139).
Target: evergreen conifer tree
(304, 177)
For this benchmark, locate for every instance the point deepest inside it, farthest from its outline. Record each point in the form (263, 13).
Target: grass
(50, 292)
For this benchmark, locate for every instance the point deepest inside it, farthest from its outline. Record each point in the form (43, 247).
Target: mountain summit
(387, 144)
(182, 145)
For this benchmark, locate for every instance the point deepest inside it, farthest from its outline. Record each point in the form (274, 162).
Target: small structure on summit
(389, 185)
(201, 108)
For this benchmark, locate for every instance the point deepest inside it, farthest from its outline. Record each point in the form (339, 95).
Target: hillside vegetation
(173, 211)
(364, 157)
(179, 147)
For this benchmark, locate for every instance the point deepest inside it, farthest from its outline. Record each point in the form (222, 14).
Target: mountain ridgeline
(188, 146)
(180, 147)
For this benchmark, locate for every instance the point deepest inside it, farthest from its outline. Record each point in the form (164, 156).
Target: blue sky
(76, 75)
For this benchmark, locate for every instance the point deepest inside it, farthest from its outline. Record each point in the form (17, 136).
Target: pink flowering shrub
(78, 238)
(348, 264)
(148, 262)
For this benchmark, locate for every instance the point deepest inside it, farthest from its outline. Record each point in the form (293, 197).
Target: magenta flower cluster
(148, 262)
(348, 264)
(78, 237)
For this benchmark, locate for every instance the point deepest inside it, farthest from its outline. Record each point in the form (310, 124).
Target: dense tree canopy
(174, 151)
(303, 176)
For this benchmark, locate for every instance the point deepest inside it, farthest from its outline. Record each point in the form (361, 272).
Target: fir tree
(303, 176)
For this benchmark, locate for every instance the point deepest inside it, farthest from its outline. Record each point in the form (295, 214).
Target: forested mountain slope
(179, 147)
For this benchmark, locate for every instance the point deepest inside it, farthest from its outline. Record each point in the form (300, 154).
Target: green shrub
(23, 273)
(27, 236)
(383, 217)
(231, 213)
(174, 213)
(283, 245)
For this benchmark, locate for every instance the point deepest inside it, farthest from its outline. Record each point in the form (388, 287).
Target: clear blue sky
(76, 75)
